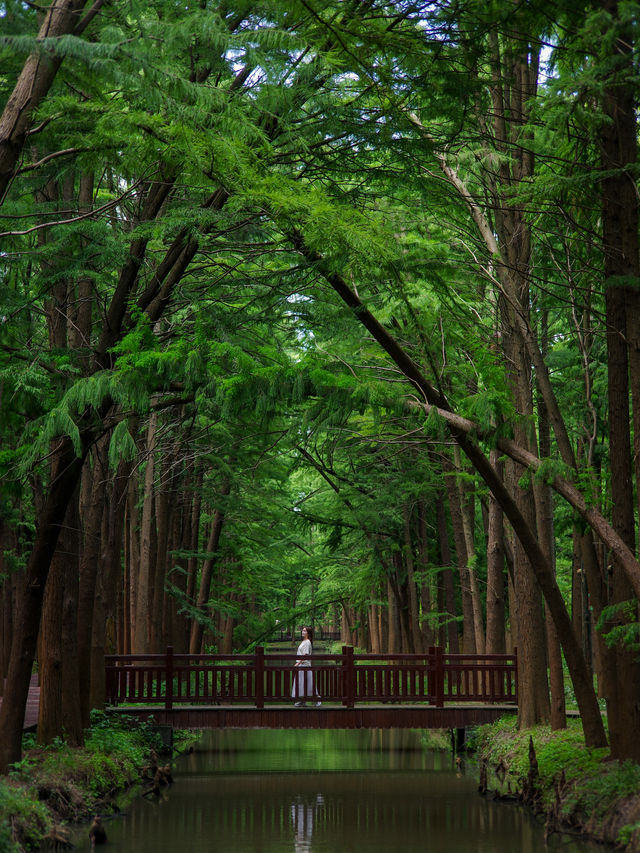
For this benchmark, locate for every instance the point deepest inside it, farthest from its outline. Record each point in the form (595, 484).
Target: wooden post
(109, 688)
(259, 674)
(515, 674)
(168, 695)
(437, 692)
(348, 677)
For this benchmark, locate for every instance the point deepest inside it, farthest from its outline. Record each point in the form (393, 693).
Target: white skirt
(302, 687)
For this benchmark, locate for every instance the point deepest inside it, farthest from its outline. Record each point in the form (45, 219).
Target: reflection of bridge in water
(433, 690)
(241, 812)
(329, 791)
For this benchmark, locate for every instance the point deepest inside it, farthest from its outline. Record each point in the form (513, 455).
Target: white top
(304, 649)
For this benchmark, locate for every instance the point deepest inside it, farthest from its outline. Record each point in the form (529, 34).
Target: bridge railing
(347, 678)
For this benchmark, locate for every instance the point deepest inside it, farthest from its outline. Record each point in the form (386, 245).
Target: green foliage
(23, 820)
(266, 125)
(619, 624)
(122, 446)
(594, 784)
(64, 783)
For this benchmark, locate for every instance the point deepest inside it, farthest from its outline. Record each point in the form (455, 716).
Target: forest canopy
(320, 312)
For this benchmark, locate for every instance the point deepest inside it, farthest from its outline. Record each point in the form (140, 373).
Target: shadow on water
(309, 791)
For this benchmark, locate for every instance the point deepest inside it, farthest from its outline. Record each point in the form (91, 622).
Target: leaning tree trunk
(63, 17)
(458, 427)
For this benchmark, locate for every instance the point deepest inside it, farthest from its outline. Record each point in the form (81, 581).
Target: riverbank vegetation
(327, 312)
(577, 789)
(59, 785)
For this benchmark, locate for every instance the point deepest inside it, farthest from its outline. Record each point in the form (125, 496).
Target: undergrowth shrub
(593, 785)
(23, 820)
(60, 782)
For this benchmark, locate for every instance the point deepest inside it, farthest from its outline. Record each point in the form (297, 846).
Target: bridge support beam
(325, 717)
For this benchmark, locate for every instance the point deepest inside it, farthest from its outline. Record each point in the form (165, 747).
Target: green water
(303, 791)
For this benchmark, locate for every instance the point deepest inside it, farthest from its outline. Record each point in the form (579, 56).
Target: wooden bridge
(433, 690)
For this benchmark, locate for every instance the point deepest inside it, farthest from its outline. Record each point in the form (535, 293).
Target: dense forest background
(320, 312)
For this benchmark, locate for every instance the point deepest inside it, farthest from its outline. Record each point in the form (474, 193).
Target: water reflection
(302, 817)
(324, 792)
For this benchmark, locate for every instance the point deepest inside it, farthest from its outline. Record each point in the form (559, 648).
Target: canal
(309, 791)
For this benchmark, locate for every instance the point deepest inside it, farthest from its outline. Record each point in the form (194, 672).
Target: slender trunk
(374, 627)
(165, 499)
(207, 568)
(71, 710)
(193, 545)
(468, 629)
(109, 588)
(546, 537)
(467, 512)
(132, 533)
(393, 637)
(426, 584)
(446, 575)
(414, 609)
(50, 721)
(144, 592)
(496, 641)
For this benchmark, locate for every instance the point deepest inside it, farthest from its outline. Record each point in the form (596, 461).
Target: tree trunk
(414, 609)
(468, 627)
(63, 17)
(166, 498)
(93, 497)
(144, 591)
(467, 512)
(66, 468)
(426, 584)
(374, 627)
(59, 713)
(546, 537)
(619, 155)
(71, 710)
(496, 641)
(459, 429)
(393, 636)
(446, 575)
(195, 643)
(109, 588)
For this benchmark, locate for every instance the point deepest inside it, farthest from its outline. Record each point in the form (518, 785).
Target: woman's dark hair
(309, 633)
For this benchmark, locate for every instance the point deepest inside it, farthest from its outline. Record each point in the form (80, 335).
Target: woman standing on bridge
(303, 678)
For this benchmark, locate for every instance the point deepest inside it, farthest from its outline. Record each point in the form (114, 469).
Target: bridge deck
(326, 717)
(33, 704)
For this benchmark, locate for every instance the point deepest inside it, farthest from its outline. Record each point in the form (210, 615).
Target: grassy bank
(577, 789)
(61, 784)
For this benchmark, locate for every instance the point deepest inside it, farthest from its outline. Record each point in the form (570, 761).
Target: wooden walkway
(432, 690)
(33, 704)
